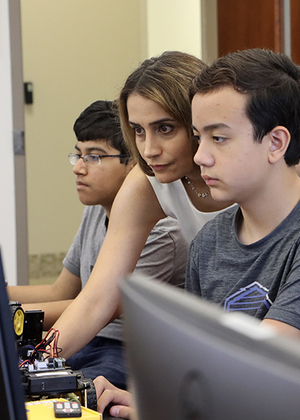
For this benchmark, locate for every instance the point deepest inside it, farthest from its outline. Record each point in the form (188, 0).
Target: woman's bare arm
(134, 213)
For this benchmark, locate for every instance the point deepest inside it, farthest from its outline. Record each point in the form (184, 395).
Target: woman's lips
(157, 168)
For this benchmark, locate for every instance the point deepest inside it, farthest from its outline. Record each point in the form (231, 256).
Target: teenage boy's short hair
(100, 121)
(272, 83)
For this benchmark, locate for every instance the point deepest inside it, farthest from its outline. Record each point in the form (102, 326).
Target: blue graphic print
(248, 298)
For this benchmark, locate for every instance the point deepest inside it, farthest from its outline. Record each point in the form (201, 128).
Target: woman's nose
(152, 146)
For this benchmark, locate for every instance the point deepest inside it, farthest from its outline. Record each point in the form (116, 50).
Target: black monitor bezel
(12, 396)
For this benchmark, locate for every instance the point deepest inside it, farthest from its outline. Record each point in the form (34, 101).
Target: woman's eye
(138, 130)
(165, 129)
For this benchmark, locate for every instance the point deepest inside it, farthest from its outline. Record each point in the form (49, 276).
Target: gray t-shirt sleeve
(285, 300)
(72, 259)
(165, 253)
(192, 280)
(82, 255)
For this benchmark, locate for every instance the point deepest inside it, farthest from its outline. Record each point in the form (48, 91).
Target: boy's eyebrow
(154, 122)
(92, 149)
(215, 126)
(211, 127)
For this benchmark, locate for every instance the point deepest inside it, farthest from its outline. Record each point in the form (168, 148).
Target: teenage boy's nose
(79, 167)
(203, 157)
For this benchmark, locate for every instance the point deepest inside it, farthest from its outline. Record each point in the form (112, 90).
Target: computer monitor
(189, 360)
(12, 400)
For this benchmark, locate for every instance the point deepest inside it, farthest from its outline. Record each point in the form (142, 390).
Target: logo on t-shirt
(247, 298)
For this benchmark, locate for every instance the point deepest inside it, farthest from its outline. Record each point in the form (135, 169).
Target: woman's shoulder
(136, 195)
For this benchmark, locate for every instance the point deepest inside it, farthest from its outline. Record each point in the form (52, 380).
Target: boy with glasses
(101, 162)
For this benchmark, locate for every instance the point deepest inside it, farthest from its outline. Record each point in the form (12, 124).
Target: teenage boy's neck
(260, 218)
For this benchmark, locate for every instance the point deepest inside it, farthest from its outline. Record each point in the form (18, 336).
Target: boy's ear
(279, 141)
(131, 163)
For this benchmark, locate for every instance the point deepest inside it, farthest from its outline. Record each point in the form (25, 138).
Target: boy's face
(99, 184)
(232, 164)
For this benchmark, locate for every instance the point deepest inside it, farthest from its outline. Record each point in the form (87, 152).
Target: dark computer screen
(189, 360)
(12, 400)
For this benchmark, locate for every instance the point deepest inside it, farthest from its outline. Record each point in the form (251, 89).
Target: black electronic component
(50, 381)
(33, 327)
(28, 325)
(67, 409)
(40, 379)
(43, 371)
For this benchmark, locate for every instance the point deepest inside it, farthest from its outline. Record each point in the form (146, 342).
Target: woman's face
(162, 141)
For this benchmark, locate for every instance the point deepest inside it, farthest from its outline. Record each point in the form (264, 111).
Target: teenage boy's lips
(208, 180)
(80, 185)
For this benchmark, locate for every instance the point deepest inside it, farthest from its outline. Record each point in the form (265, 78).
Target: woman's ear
(279, 142)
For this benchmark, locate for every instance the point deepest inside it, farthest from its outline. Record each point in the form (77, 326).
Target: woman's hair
(166, 80)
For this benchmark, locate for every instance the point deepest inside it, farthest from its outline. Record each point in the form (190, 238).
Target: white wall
(74, 52)
(7, 200)
(174, 25)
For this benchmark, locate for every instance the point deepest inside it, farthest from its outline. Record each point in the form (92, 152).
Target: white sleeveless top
(176, 203)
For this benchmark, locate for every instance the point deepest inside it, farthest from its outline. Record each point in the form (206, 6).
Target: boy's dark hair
(100, 121)
(272, 83)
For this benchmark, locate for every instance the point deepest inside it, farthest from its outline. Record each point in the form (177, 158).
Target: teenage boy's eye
(218, 139)
(197, 138)
(92, 158)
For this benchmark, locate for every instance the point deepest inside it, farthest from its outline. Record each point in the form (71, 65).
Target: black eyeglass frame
(72, 155)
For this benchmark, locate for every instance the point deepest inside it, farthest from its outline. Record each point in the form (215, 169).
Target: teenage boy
(246, 116)
(101, 163)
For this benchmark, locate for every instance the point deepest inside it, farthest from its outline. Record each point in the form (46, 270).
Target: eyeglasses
(91, 160)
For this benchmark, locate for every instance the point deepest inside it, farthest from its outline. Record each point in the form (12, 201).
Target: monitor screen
(190, 360)
(12, 400)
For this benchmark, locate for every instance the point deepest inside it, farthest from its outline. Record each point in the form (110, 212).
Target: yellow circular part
(19, 322)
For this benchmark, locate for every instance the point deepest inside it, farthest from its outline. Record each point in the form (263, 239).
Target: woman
(156, 123)
(156, 119)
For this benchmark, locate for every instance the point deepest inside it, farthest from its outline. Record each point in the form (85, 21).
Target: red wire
(47, 346)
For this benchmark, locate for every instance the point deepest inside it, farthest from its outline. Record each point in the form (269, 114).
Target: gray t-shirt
(164, 256)
(261, 279)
